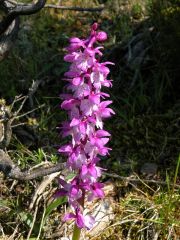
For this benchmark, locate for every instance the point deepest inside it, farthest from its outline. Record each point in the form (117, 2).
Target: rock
(149, 169)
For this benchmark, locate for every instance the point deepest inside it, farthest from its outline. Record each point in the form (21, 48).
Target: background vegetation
(144, 44)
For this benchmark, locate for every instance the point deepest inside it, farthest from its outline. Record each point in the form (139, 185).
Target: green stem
(76, 233)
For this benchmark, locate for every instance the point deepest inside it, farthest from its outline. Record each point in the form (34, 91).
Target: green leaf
(3, 203)
(70, 176)
(26, 218)
(54, 205)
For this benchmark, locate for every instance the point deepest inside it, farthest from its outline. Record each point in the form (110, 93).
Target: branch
(7, 39)
(9, 25)
(20, 10)
(138, 180)
(80, 9)
(13, 9)
(12, 171)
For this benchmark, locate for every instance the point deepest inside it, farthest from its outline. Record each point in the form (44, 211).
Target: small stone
(149, 169)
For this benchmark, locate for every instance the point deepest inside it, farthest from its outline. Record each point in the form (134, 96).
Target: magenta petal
(75, 40)
(99, 193)
(69, 216)
(99, 143)
(69, 58)
(62, 182)
(103, 95)
(74, 191)
(84, 170)
(102, 133)
(107, 83)
(93, 140)
(65, 149)
(82, 128)
(80, 220)
(101, 36)
(110, 63)
(60, 193)
(104, 140)
(91, 119)
(94, 98)
(68, 104)
(71, 74)
(105, 103)
(92, 171)
(104, 151)
(107, 112)
(94, 27)
(74, 122)
(99, 185)
(76, 81)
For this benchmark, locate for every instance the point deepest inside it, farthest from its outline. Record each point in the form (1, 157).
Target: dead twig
(32, 90)
(80, 9)
(135, 180)
(34, 218)
(18, 10)
(24, 114)
(60, 7)
(14, 233)
(7, 166)
(42, 186)
(9, 25)
(12, 171)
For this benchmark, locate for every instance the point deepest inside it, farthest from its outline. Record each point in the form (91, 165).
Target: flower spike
(87, 106)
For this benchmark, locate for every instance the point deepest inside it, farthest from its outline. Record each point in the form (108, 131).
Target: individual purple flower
(95, 191)
(90, 172)
(82, 221)
(75, 44)
(72, 190)
(87, 107)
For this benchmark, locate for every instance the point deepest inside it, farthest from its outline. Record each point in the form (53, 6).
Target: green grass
(145, 128)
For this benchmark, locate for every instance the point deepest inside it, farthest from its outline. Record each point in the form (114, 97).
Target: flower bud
(94, 26)
(101, 36)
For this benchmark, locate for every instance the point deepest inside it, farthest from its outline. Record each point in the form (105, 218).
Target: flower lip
(82, 221)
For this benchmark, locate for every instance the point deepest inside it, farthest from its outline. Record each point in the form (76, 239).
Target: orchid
(82, 221)
(87, 107)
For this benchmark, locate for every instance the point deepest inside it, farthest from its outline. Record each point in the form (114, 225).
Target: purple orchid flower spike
(87, 107)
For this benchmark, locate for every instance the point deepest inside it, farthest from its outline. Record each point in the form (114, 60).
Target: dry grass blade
(42, 186)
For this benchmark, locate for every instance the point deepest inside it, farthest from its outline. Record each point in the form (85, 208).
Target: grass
(146, 213)
(145, 129)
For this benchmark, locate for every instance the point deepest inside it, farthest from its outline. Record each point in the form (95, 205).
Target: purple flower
(101, 36)
(99, 138)
(75, 44)
(72, 190)
(90, 172)
(96, 191)
(86, 221)
(87, 107)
